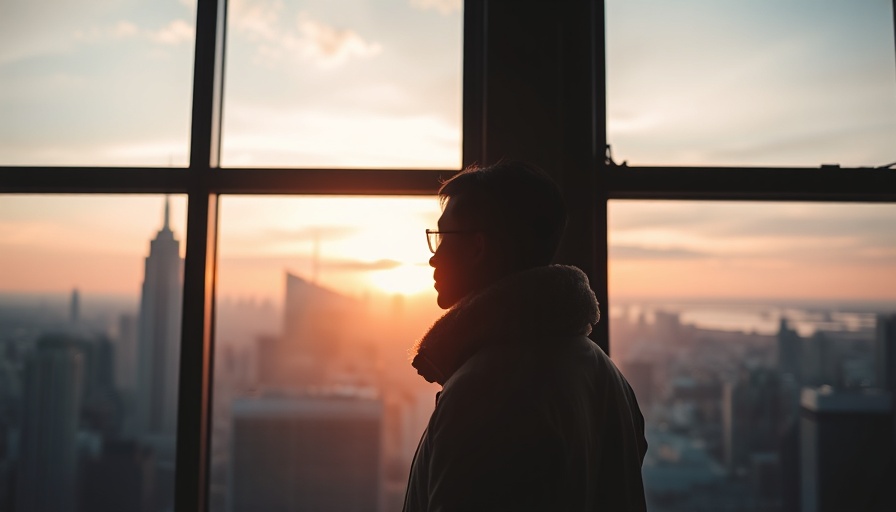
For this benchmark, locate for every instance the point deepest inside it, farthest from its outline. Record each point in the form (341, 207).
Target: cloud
(124, 29)
(310, 233)
(773, 89)
(329, 45)
(308, 40)
(445, 7)
(865, 223)
(284, 242)
(335, 264)
(176, 32)
(635, 252)
(718, 220)
(256, 20)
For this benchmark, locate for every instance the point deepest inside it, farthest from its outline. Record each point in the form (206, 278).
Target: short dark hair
(516, 204)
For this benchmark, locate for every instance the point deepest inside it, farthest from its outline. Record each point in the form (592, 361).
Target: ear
(480, 248)
(488, 254)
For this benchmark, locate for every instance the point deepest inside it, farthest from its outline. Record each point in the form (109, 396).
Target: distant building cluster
(310, 418)
(315, 407)
(88, 405)
(744, 421)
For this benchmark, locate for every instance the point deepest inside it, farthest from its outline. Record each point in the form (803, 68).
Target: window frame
(485, 41)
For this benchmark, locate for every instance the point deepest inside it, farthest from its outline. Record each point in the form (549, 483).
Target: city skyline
(681, 369)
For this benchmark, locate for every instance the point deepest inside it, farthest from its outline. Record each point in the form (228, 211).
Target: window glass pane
(765, 83)
(95, 82)
(316, 406)
(755, 337)
(89, 346)
(360, 83)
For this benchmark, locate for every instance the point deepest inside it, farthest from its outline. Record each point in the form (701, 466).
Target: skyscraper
(316, 319)
(820, 361)
(846, 450)
(158, 340)
(75, 308)
(885, 351)
(53, 387)
(316, 330)
(126, 354)
(306, 452)
(789, 351)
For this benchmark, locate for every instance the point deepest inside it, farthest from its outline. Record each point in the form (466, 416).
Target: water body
(758, 317)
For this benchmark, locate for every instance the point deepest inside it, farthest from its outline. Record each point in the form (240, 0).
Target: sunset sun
(406, 279)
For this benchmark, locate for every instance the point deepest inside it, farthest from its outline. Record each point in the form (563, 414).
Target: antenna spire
(167, 212)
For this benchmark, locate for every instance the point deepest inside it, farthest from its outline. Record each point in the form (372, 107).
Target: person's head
(496, 221)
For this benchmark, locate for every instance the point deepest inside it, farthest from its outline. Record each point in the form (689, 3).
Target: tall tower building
(75, 308)
(885, 351)
(820, 361)
(158, 339)
(52, 401)
(126, 354)
(789, 351)
(317, 327)
(316, 319)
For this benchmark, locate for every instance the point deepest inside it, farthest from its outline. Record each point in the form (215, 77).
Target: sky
(751, 83)
(751, 250)
(367, 83)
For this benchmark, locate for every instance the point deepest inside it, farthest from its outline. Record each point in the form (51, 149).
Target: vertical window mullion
(194, 401)
(601, 333)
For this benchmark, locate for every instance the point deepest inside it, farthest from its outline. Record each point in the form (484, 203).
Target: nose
(432, 261)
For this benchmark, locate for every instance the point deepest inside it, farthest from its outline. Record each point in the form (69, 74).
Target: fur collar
(527, 307)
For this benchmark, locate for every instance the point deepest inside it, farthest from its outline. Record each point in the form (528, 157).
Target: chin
(443, 302)
(446, 300)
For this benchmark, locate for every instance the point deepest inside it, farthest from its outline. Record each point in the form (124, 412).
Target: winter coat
(532, 414)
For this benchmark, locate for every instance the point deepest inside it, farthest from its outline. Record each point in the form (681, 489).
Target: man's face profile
(458, 257)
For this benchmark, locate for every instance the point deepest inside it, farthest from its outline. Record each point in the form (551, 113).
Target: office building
(789, 350)
(846, 451)
(316, 330)
(306, 453)
(885, 351)
(47, 473)
(127, 464)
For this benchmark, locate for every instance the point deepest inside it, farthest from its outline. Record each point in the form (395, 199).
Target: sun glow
(405, 279)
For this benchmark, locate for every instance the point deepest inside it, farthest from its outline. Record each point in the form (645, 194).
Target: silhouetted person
(532, 414)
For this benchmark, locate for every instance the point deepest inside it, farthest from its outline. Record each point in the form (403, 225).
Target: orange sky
(316, 85)
(369, 245)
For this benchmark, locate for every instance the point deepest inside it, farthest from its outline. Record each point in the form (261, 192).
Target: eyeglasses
(434, 238)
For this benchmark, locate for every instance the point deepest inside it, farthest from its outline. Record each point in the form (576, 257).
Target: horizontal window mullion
(89, 180)
(708, 183)
(779, 184)
(329, 181)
